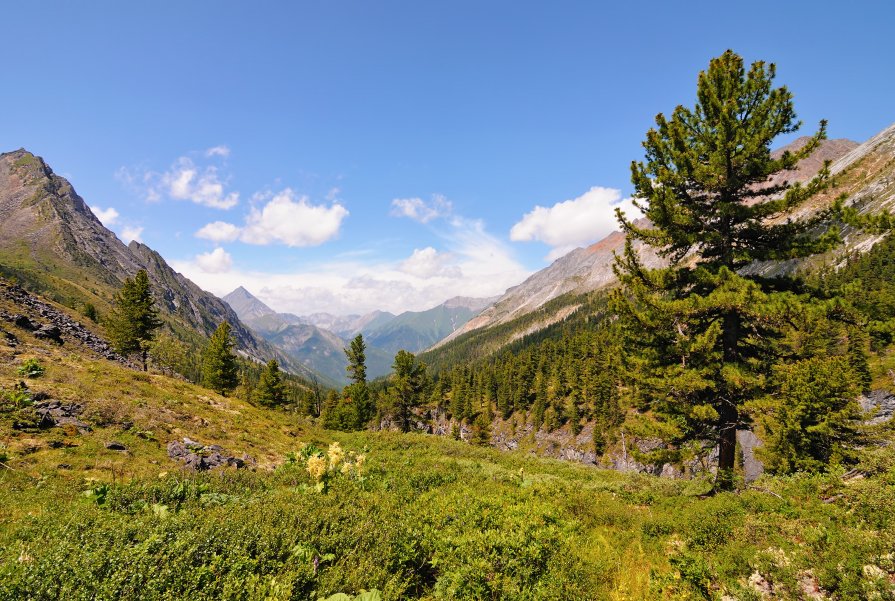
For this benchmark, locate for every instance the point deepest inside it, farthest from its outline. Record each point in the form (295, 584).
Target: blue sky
(346, 156)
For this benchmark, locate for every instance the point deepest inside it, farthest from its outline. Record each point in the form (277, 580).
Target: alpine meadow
(349, 372)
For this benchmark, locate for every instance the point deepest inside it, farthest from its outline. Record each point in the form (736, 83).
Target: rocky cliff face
(587, 269)
(52, 242)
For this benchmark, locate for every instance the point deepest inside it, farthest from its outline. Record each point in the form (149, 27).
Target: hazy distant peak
(246, 305)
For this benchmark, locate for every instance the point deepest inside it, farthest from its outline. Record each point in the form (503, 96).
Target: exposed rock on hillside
(48, 322)
(199, 457)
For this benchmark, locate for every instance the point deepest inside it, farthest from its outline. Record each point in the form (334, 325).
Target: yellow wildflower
(336, 455)
(317, 467)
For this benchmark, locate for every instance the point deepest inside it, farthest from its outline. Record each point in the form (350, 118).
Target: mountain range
(52, 243)
(318, 340)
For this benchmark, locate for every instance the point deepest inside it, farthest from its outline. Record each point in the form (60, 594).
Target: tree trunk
(727, 442)
(728, 410)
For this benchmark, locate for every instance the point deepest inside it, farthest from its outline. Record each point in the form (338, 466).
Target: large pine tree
(702, 331)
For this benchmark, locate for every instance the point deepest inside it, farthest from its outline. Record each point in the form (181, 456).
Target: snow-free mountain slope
(52, 243)
(587, 269)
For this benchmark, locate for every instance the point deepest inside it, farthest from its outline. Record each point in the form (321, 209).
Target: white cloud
(216, 261)
(419, 210)
(186, 181)
(108, 217)
(472, 262)
(219, 231)
(293, 221)
(218, 151)
(129, 233)
(428, 263)
(573, 223)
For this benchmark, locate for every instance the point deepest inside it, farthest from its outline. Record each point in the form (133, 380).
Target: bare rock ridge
(587, 269)
(52, 242)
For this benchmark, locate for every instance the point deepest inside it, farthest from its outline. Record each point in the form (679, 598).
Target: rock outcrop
(48, 322)
(198, 457)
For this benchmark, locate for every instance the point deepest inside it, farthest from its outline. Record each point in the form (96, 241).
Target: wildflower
(317, 467)
(346, 468)
(336, 455)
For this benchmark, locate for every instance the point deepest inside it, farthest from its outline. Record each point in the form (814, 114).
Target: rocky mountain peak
(52, 241)
(246, 305)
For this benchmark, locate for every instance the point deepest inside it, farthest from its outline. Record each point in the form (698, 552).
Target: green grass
(430, 518)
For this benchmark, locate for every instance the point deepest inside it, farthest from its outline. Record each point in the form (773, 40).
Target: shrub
(31, 368)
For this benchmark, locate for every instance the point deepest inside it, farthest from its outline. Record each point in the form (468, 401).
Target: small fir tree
(810, 421)
(270, 390)
(134, 318)
(220, 371)
(408, 386)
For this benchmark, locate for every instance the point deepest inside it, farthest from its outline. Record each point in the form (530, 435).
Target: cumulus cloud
(129, 233)
(203, 186)
(108, 217)
(219, 231)
(202, 183)
(471, 262)
(573, 223)
(428, 263)
(420, 210)
(216, 261)
(218, 151)
(292, 221)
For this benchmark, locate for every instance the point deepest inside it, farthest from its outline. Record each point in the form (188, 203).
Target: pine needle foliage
(131, 325)
(220, 370)
(408, 385)
(703, 335)
(271, 391)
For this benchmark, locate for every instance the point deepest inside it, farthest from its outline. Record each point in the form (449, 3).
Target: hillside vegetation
(419, 518)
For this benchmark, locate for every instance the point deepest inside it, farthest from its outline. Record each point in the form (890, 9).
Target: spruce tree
(270, 391)
(134, 318)
(357, 360)
(219, 367)
(357, 406)
(408, 385)
(701, 330)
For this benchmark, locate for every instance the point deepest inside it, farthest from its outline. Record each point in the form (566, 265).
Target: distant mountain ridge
(308, 340)
(418, 330)
(52, 243)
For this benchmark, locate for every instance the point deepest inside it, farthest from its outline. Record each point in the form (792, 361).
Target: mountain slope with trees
(53, 244)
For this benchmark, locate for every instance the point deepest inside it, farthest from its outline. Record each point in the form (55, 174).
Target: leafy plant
(31, 368)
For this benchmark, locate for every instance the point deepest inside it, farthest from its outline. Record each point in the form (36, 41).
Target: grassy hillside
(423, 517)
